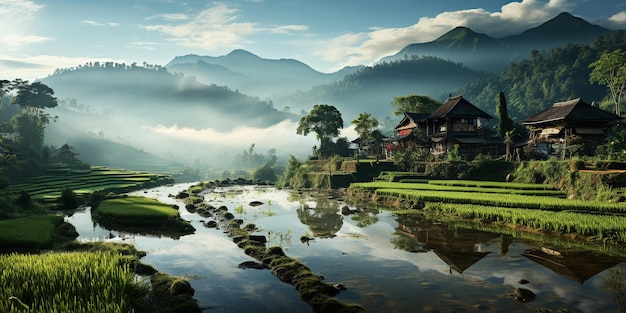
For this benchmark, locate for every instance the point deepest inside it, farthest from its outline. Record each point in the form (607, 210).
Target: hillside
(482, 52)
(158, 97)
(372, 89)
(252, 74)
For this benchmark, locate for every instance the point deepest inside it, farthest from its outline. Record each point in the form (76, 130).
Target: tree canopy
(610, 70)
(414, 104)
(324, 120)
(365, 125)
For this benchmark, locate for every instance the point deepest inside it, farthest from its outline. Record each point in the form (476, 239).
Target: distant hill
(252, 74)
(372, 89)
(481, 52)
(158, 97)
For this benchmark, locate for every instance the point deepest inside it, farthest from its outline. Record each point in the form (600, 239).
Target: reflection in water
(323, 220)
(573, 265)
(388, 263)
(459, 248)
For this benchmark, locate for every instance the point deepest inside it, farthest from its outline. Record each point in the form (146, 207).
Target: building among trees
(457, 124)
(569, 126)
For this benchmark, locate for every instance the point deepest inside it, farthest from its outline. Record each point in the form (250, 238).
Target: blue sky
(39, 36)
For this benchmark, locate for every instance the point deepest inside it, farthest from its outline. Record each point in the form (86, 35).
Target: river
(388, 263)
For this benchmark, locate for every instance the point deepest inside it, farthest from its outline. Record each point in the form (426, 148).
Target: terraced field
(82, 182)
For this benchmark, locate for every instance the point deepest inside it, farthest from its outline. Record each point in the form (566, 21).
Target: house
(568, 123)
(370, 146)
(457, 123)
(64, 155)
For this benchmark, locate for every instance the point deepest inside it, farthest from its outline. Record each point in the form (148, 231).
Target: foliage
(414, 104)
(610, 70)
(556, 75)
(365, 125)
(66, 282)
(250, 159)
(265, 172)
(324, 120)
(505, 123)
(294, 175)
(68, 199)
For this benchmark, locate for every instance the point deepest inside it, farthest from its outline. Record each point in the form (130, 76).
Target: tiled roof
(572, 110)
(458, 107)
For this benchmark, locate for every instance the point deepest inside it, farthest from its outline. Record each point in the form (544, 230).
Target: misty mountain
(482, 52)
(156, 97)
(372, 89)
(252, 74)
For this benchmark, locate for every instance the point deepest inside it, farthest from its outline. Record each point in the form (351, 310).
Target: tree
(35, 97)
(610, 70)
(324, 120)
(414, 104)
(365, 125)
(505, 123)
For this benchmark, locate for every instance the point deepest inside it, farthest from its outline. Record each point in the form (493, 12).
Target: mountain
(157, 97)
(372, 89)
(252, 74)
(481, 52)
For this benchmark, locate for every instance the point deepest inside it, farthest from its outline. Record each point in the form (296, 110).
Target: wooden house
(565, 123)
(456, 123)
(64, 155)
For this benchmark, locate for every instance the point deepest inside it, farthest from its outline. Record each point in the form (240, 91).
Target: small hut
(64, 155)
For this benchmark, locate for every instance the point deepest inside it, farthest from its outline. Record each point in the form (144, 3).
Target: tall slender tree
(505, 123)
(610, 70)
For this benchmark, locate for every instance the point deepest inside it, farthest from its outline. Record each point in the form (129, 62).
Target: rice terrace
(476, 164)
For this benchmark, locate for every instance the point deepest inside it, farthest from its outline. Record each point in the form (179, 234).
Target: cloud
(617, 21)
(170, 17)
(368, 47)
(216, 28)
(34, 67)
(15, 23)
(94, 23)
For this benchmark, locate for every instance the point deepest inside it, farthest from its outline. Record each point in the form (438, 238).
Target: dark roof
(412, 119)
(572, 110)
(460, 108)
(378, 136)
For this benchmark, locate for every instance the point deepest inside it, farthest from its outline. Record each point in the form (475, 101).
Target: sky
(39, 36)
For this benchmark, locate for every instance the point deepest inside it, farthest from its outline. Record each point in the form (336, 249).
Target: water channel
(388, 263)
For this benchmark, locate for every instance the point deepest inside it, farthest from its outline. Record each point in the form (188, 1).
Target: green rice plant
(19, 232)
(491, 184)
(136, 208)
(443, 187)
(66, 282)
(512, 200)
(600, 226)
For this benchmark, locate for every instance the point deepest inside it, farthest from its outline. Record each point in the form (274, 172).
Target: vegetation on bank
(51, 229)
(67, 282)
(140, 215)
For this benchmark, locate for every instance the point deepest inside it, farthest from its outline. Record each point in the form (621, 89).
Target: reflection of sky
(378, 276)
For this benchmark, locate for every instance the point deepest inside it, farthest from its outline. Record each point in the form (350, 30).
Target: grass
(66, 282)
(600, 226)
(137, 208)
(474, 187)
(20, 232)
(512, 200)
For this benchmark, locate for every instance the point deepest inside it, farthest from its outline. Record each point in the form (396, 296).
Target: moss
(173, 295)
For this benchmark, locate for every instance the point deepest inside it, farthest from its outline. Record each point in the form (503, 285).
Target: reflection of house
(568, 121)
(64, 155)
(578, 266)
(459, 248)
(457, 123)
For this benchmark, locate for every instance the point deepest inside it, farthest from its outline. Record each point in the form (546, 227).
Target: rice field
(78, 282)
(19, 232)
(84, 182)
(476, 187)
(600, 226)
(141, 208)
